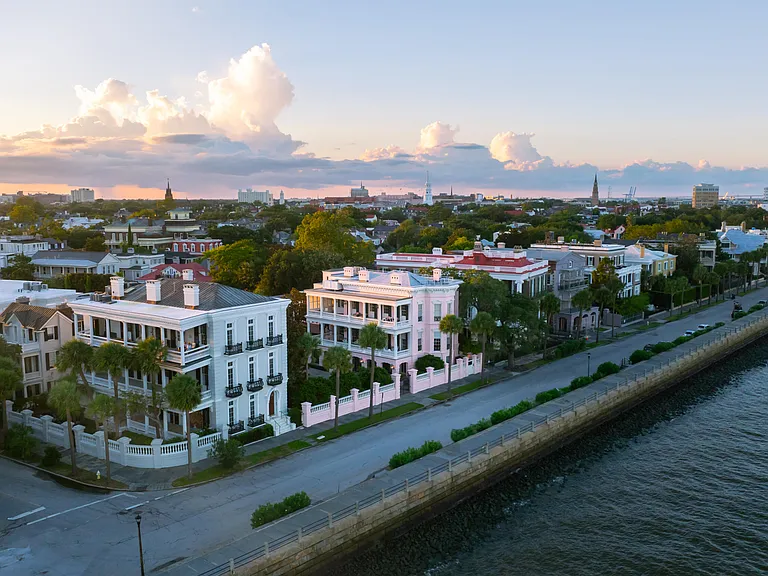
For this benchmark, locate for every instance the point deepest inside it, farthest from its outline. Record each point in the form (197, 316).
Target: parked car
(702, 326)
(648, 347)
(689, 333)
(762, 302)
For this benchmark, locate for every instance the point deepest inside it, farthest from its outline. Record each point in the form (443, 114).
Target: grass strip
(365, 421)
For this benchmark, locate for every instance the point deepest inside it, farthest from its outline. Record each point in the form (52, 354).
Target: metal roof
(213, 296)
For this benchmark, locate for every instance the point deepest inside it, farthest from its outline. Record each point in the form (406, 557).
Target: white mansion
(231, 341)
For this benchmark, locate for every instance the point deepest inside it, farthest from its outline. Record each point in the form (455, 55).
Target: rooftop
(213, 296)
(33, 317)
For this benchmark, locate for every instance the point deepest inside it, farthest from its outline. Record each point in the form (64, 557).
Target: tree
(329, 232)
(95, 244)
(713, 280)
(147, 357)
(130, 236)
(24, 215)
(678, 284)
(76, 356)
(615, 286)
(603, 296)
(373, 337)
(10, 381)
(699, 276)
(65, 400)
(308, 345)
(605, 271)
(450, 324)
(113, 358)
(19, 267)
(184, 393)
(482, 325)
(239, 264)
(289, 269)
(582, 300)
(549, 305)
(480, 292)
(407, 233)
(339, 360)
(100, 409)
(11, 351)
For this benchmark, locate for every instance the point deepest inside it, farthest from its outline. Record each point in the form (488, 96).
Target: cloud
(515, 148)
(435, 135)
(196, 10)
(385, 152)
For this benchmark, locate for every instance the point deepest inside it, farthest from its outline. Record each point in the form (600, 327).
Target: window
(666, 265)
(438, 311)
(230, 373)
(174, 418)
(31, 364)
(271, 363)
(252, 406)
(314, 302)
(271, 326)
(437, 342)
(450, 307)
(250, 330)
(230, 334)
(252, 368)
(231, 410)
(590, 260)
(419, 344)
(421, 312)
(50, 360)
(570, 264)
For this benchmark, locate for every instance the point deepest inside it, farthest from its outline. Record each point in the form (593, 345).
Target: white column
(125, 333)
(90, 322)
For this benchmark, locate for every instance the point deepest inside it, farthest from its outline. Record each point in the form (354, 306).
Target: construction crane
(630, 196)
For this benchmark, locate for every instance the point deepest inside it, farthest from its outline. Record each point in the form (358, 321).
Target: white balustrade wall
(121, 451)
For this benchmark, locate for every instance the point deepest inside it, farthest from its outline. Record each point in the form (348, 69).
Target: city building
(595, 200)
(168, 192)
(406, 305)
(134, 265)
(52, 263)
(26, 245)
(654, 262)
(80, 222)
(231, 341)
(705, 196)
(249, 196)
(281, 201)
(37, 293)
(428, 192)
(145, 234)
(361, 192)
(82, 195)
(194, 270)
(521, 274)
(40, 331)
(737, 240)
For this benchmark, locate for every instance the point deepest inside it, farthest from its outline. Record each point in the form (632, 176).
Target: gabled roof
(94, 257)
(740, 241)
(213, 296)
(481, 259)
(199, 272)
(34, 317)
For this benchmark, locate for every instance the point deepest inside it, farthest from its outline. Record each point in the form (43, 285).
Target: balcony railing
(233, 391)
(254, 421)
(230, 349)
(255, 385)
(275, 379)
(255, 344)
(235, 427)
(274, 340)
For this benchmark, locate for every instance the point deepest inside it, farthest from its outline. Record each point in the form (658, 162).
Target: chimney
(22, 300)
(743, 226)
(437, 274)
(362, 275)
(666, 247)
(117, 286)
(191, 296)
(561, 239)
(437, 251)
(349, 271)
(187, 275)
(478, 246)
(153, 291)
(642, 251)
(598, 242)
(501, 245)
(723, 227)
(394, 278)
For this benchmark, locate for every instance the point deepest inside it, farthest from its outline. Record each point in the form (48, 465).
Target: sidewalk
(148, 479)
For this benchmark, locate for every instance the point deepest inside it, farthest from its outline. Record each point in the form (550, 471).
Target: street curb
(68, 478)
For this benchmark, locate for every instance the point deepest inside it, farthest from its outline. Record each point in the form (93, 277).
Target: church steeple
(595, 193)
(168, 193)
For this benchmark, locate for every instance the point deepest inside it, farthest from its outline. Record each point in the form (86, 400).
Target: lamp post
(589, 357)
(141, 550)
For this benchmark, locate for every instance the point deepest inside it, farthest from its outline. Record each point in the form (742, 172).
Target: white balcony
(27, 347)
(358, 319)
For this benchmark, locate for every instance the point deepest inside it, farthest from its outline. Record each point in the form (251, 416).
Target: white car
(702, 326)
(689, 332)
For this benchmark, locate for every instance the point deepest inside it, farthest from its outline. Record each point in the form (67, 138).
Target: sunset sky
(522, 98)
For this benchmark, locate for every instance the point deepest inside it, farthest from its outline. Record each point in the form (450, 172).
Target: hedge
(580, 382)
(270, 512)
(640, 356)
(660, 347)
(548, 395)
(739, 314)
(511, 412)
(428, 361)
(254, 434)
(608, 368)
(570, 347)
(410, 454)
(461, 433)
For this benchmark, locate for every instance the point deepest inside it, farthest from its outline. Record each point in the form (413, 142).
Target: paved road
(86, 533)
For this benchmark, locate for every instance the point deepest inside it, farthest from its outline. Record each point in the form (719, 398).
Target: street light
(589, 357)
(141, 550)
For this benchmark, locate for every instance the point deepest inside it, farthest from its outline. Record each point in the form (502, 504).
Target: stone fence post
(77, 431)
(396, 376)
(376, 393)
(101, 437)
(354, 392)
(27, 416)
(124, 441)
(412, 374)
(46, 419)
(156, 456)
(8, 409)
(332, 406)
(197, 452)
(305, 406)
(430, 376)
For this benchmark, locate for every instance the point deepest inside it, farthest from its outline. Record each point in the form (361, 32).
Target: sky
(520, 98)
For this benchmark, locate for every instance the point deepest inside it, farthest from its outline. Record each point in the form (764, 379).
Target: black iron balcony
(275, 379)
(233, 391)
(230, 349)
(254, 421)
(235, 427)
(255, 344)
(254, 385)
(274, 340)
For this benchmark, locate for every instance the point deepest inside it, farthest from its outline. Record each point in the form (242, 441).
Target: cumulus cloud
(385, 152)
(515, 148)
(435, 135)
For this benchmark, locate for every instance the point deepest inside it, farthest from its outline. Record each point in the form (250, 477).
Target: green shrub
(607, 368)
(270, 512)
(570, 347)
(511, 412)
(580, 382)
(382, 376)
(20, 442)
(681, 340)
(410, 454)
(461, 433)
(428, 361)
(51, 456)
(739, 314)
(660, 347)
(265, 431)
(755, 308)
(548, 395)
(719, 324)
(228, 452)
(640, 356)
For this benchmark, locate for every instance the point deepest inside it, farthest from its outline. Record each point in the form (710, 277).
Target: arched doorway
(563, 324)
(273, 403)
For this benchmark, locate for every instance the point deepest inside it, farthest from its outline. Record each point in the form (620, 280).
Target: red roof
(481, 259)
(199, 272)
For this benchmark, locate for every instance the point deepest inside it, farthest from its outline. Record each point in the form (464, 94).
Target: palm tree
(76, 356)
(184, 393)
(148, 357)
(113, 358)
(603, 297)
(582, 300)
(549, 305)
(712, 279)
(308, 345)
(339, 360)
(614, 285)
(450, 324)
(373, 337)
(10, 381)
(699, 276)
(483, 325)
(101, 408)
(65, 400)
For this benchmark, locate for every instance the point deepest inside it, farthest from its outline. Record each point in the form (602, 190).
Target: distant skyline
(313, 98)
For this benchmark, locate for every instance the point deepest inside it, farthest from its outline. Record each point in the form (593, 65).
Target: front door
(272, 403)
